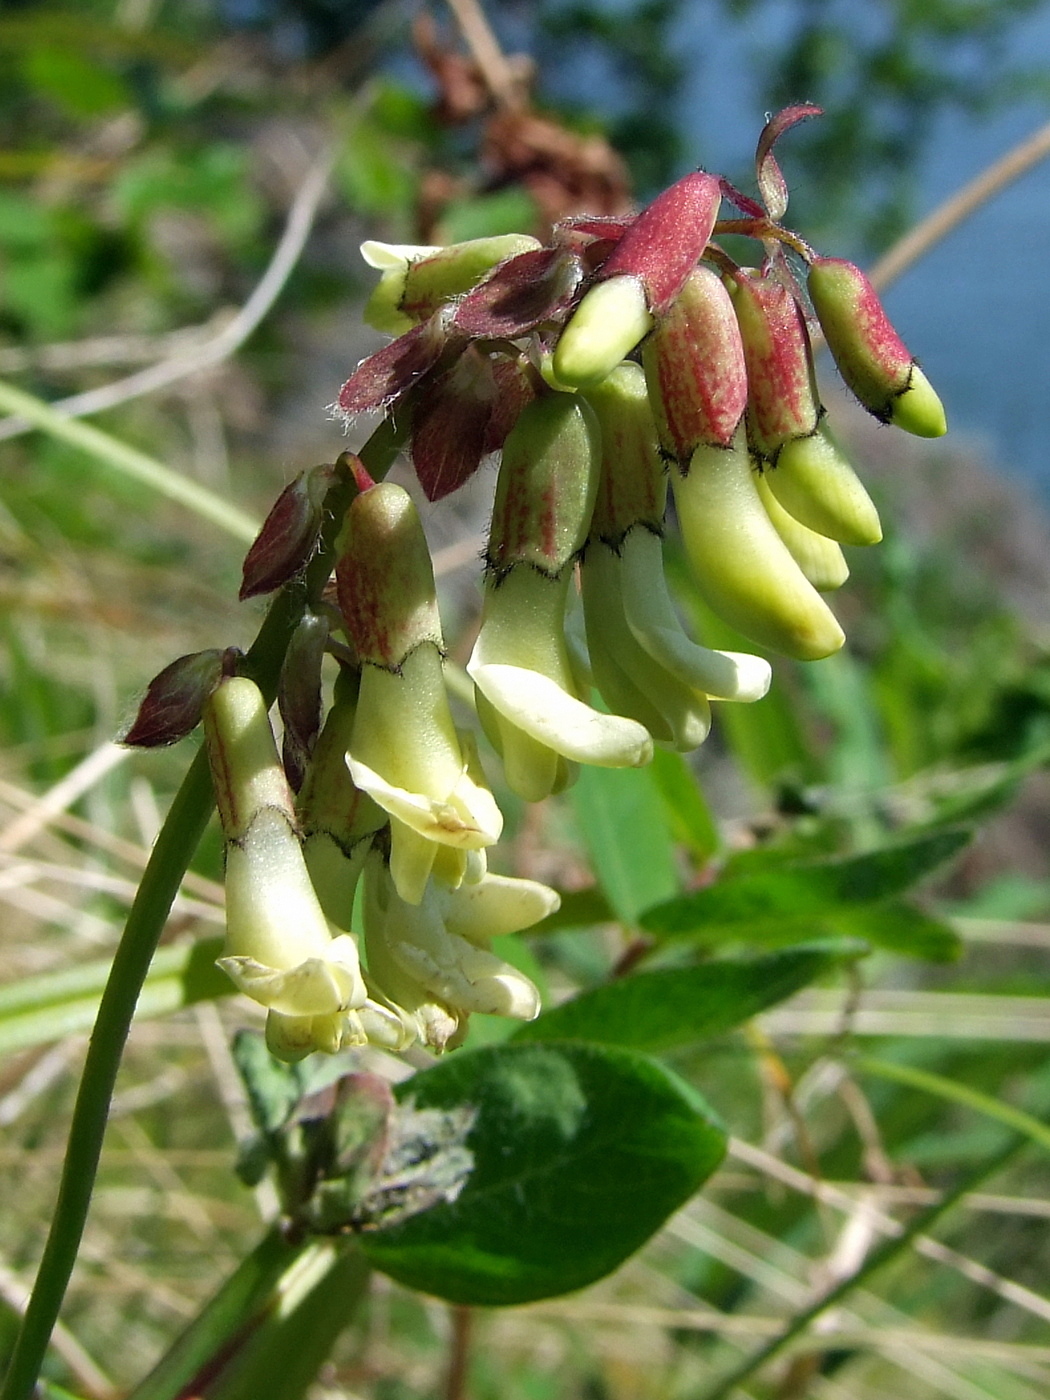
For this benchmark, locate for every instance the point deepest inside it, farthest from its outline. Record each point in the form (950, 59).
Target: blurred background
(183, 188)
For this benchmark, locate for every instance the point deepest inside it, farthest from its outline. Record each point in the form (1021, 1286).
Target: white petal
(317, 987)
(468, 817)
(386, 255)
(722, 675)
(547, 713)
(496, 905)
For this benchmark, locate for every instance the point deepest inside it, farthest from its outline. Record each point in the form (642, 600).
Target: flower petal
(547, 713)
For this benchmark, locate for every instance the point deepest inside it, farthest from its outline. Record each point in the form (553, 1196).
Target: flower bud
(653, 620)
(694, 366)
(449, 272)
(416, 280)
(289, 534)
(404, 750)
(871, 357)
(814, 482)
(279, 949)
(630, 681)
(741, 565)
(175, 698)
(820, 559)
(664, 242)
(782, 392)
(645, 668)
(608, 323)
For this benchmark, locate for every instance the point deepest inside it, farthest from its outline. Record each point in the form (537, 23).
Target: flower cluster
(623, 355)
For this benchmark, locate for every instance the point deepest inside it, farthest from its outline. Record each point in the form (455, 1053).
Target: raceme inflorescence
(622, 356)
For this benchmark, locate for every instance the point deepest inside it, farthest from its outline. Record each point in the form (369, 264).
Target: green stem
(131, 462)
(169, 861)
(876, 1260)
(160, 883)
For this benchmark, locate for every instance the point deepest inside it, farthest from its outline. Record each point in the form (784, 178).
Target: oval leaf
(581, 1153)
(672, 1006)
(768, 901)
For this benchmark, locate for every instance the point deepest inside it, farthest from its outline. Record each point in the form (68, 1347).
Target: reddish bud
(175, 698)
(521, 294)
(392, 371)
(663, 243)
(871, 357)
(782, 393)
(694, 367)
(289, 534)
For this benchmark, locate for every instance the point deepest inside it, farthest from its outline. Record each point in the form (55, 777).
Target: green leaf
(76, 84)
(581, 1153)
(622, 819)
(691, 820)
(903, 928)
(38, 1010)
(768, 902)
(672, 1006)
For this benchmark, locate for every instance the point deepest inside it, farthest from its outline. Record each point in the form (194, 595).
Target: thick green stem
(168, 863)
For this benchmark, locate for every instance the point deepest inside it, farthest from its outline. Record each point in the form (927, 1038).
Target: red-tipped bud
(546, 485)
(694, 366)
(392, 371)
(782, 392)
(289, 534)
(663, 243)
(174, 701)
(384, 578)
(521, 294)
(871, 357)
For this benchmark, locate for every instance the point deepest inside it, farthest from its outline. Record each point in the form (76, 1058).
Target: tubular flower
(643, 663)
(404, 750)
(527, 699)
(279, 948)
(432, 958)
(741, 565)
